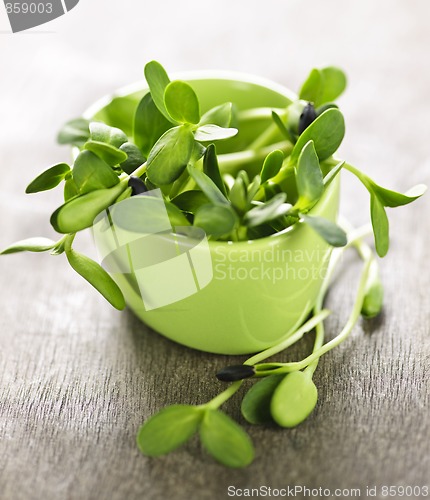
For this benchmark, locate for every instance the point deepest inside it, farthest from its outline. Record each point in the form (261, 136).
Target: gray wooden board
(77, 378)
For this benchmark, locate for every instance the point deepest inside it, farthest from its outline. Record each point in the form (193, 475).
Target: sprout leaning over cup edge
(171, 145)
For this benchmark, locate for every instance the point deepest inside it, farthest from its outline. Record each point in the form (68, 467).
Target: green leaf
(97, 277)
(146, 214)
(170, 155)
(329, 231)
(281, 126)
(108, 153)
(326, 131)
(256, 403)
(207, 185)
(70, 189)
(219, 115)
(373, 300)
(211, 168)
(119, 113)
(48, 179)
(312, 88)
(294, 399)
(149, 124)
(253, 188)
(74, 132)
(134, 158)
(90, 173)
(158, 80)
(334, 84)
(333, 173)
(38, 244)
(238, 195)
(101, 132)
(176, 217)
(330, 105)
(190, 201)
(272, 165)
(181, 102)
(80, 212)
(225, 440)
(268, 211)
(168, 429)
(214, 133)
(216, 220)
(309, 178)
(380, 226)
(323, 85)
(393, 199)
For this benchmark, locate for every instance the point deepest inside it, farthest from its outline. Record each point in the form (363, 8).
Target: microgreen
(211, 168)
(323, 85)
(310, 183)
(158, 80)
(256, 403)
(251, 187)
(272, 165)
(149, 124)
(181, 102)
(96, 276)
(329, 231)
(134, 158)
(326, 132)
(104, 134)
(110, 154)
(91, 173)
(374, 296)
(212, 132)
(293, 399)
(75, 132)
(219, 115)
(81, 211)
(170, 155)
(168, 429)
(207, 185)
(274, 208)
(380, 225)
(37, 244)
(225, 440)
(281, 126)
(215, 220)
(48, 179)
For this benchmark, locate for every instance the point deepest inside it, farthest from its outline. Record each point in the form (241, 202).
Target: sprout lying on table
(263, 187)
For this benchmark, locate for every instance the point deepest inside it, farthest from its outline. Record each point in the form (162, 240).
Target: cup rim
(217, 75)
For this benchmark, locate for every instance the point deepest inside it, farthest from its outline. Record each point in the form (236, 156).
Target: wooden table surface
(77, 378)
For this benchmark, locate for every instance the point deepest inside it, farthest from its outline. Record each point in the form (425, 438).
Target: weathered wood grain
(77, 378)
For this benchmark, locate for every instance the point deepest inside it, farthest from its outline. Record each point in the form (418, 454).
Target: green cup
(247, 295)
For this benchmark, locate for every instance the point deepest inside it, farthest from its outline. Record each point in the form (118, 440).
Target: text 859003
(29, 8)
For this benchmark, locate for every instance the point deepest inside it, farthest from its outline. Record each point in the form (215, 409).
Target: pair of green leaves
(380, 198)
(287, 400)
(323, 85)
(223, 438)
(178, 104)
(90, 270)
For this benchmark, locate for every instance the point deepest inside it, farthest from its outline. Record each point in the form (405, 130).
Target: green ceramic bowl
(260, 289)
